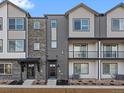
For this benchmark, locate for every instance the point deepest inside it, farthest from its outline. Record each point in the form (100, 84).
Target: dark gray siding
(62, 45)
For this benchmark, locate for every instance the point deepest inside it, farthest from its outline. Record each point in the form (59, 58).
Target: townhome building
(80, 43)
(22, 44)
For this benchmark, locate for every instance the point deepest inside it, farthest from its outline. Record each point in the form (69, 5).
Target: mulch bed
(97, 82)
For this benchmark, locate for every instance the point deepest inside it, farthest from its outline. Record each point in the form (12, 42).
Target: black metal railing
(112, 54)
(83, 54)
(95, 54)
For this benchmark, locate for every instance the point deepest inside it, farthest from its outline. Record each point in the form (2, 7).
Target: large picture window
(81, 24)
(81, 68)
(5, 69)
(16, 45)
(109, 68)
(16, 24)
(117, 24)
(80, 51)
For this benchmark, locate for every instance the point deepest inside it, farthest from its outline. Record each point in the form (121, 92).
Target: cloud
(26, 4)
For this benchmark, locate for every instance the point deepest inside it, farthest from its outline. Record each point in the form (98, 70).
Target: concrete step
(28, 82)
(51, 82)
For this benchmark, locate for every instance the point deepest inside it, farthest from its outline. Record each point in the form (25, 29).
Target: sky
(40, 7)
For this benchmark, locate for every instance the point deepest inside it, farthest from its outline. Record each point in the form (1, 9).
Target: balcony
(83, 54)
(112, 54)
(94, 54)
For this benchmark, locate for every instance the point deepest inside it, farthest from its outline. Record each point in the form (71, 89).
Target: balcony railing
(112, 54)
(83, 54)
(95, 54)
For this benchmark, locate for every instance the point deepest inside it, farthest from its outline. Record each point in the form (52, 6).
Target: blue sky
(40, 7)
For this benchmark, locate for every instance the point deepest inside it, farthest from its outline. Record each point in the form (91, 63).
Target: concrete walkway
(28, 82)
(51, 82)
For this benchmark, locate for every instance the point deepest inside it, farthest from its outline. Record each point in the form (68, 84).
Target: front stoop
(51, 82)
(28, 82)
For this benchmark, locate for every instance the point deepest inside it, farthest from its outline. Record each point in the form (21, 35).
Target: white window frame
(36, 25)
(16, 24)
(121, 24)
(5, 68)
(109, 73)
(36, 46)
(81, 68)
(81, 21)
(16, 48)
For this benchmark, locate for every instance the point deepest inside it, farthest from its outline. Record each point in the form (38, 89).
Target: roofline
(54, 14)
(117, 6)
(82, 5)
(37, 18)
(9, 2)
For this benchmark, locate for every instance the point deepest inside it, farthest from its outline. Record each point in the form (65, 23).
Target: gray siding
(62, 42)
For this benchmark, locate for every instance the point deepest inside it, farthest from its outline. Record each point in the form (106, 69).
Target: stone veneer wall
(38, 36)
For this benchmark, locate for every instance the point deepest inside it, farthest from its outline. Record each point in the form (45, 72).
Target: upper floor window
(53, 34)
(36, 46)
(110, 51)
(80, 50)
(36, 25)
(16, 24)
(53, 23)
(81, 24)
(1, 23)
(117, 24)
(16, 45)
(1, 45)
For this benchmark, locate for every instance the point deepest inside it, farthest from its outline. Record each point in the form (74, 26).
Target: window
(117, 24)
(36, 25)
(53, 34)
(109, 69)
(110, 51)
(16, 24)
(1, 46)
(80, 51)
(81, 68)
(1, 23)
(36, 46)
(53, 23)
(5, 69)
(81, 24)
(16, 45)
(53, 44)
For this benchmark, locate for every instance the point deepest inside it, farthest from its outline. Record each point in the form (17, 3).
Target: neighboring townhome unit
(13, 31)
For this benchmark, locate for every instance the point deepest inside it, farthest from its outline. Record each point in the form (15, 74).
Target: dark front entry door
(30, 71)
(52, 70)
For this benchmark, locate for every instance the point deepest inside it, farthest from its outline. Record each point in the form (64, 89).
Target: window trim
(15, 23)
(4, 68)
(36, 49)
(16, 51)
(51, 34)
(109, 69)
(73, 20)
(2, 45)
(2, 24)
(112, 25)
(34, 25)
(81, 73)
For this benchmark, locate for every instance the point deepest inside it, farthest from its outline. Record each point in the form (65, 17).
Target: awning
(29, 60)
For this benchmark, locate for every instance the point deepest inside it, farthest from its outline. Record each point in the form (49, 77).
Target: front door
(52, 70)
(30, 71)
